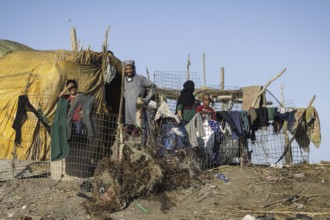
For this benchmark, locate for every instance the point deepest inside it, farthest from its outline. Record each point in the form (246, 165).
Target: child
(71, 88)
(207, 143)
(205, 108)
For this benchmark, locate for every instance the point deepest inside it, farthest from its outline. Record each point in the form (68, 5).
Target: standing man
(136, 86)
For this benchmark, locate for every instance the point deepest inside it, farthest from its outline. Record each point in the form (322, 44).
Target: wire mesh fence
(169, 139)
(86, 151)
(172, 82)
(31, 154)
(219, 148)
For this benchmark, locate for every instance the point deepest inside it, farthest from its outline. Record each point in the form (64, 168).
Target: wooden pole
(282, 93)
(265, 87)
(105, 50)
(120, 124)
(222, 78)
(147, 73)
(294, 133)
(105, 43)
(204, 72)
(222, 85)
(288, 156)
(287, 146)
(188, 64)
(74, 39)
(121, 103)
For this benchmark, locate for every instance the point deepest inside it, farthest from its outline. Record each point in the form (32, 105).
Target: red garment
(203, 108)
(77, 112)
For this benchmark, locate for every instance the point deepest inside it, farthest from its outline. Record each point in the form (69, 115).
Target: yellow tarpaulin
(8, 46)
(41, 75)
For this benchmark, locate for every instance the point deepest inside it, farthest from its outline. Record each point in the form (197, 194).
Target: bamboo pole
(265, 87)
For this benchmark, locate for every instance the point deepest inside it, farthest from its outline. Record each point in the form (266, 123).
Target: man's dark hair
(72, 81)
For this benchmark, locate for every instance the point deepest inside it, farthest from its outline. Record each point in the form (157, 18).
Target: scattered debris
(220, 176)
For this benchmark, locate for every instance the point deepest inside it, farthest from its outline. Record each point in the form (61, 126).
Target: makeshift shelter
(259, 139)
(7, 46)
(41, 75)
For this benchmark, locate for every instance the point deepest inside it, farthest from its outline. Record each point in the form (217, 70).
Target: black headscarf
(186, 97)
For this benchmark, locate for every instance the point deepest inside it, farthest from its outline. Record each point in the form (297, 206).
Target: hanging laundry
(207, 142)
(20, 119)
(86, 103)
(245, 124)
(24, 106)
(281, 115)
(165, 112)
(313, 126)
(271, 113)
(218, 137)
(59, 141)
(195, 124)
(236, 117)
(225, 116)
(262, 116)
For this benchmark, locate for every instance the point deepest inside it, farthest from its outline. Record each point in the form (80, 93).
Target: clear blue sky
(252, 39)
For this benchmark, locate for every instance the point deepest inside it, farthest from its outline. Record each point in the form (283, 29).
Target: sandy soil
(295, 192)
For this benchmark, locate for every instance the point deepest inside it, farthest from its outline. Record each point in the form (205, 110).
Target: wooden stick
(279, 201)
(74, 39)
(105, 43)
(188, 64)
(148, 75)
(222, 85)
(311, 101)
(222, 78)
(122, 93)
(295, 130)
(120, 125)
(105, 50)
(267, 84)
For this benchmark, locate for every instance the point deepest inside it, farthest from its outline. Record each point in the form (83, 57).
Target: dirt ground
(293, 192)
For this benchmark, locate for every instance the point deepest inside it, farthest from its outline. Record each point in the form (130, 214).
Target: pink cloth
(77, 112)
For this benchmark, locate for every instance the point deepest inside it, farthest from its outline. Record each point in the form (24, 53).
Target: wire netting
(268, 147)
(35, 146)
(172, 82)
(214, 148)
